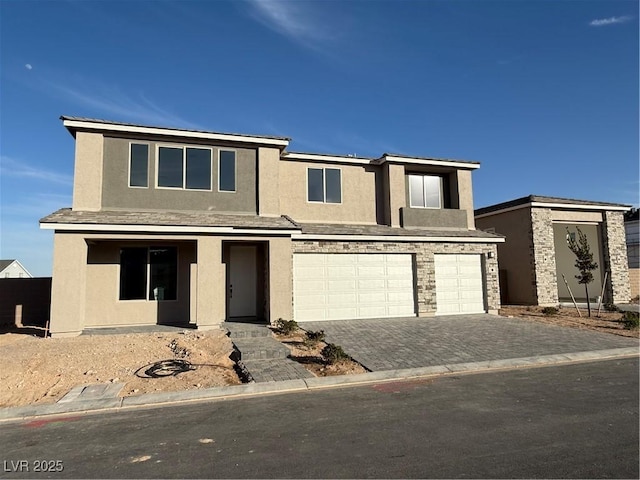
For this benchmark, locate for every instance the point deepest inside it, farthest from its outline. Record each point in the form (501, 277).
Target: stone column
(68, 285)
(615, 257)
(544, 257)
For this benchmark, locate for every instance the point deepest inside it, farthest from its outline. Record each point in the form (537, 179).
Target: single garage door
(346, 286)
(458, 284)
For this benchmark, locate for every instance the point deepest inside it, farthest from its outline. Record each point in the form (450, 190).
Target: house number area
(32, 466)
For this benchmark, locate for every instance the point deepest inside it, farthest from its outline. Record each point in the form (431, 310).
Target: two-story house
(185, 227)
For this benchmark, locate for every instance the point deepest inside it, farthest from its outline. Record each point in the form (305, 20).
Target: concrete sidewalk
(92, 404)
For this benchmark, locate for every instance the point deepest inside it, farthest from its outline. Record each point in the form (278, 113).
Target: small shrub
(630, 320)
(313, 338)
(610, 307)
(333, 353)
(549, 311)
(286, 326)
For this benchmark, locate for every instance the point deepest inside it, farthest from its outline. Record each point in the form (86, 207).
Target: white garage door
(458, 284)
(345, 286)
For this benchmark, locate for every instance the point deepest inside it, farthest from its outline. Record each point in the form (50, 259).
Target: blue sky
(543, 93)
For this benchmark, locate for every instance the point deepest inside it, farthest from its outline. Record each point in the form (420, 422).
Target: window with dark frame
(148, 273)
(324, 185)
(227, 171)
(139, 165)
(188, 168)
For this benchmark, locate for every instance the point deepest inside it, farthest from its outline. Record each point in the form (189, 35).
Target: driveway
(394, 343)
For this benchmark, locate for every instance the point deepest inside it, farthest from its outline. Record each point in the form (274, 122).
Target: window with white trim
(425, 191)
(187, 168)
(139, 165)
(324, 185)
(227, 171)
(148, 273)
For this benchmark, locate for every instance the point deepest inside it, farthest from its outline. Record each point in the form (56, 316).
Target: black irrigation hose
(165, 368)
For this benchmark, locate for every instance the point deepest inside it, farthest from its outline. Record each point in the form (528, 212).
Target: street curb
(252, 389)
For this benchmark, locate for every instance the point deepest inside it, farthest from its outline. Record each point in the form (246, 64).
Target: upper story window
(184, 167)
(425, 191)
(324, 185)
(139, 165)
(227, 171)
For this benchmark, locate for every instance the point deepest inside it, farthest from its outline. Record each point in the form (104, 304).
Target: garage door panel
(459, 286)
(353, 286)
(371, 284)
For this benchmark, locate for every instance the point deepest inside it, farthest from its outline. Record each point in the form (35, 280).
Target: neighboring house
(632, 233)
(13, 269)
(535, 254)
(196, 228)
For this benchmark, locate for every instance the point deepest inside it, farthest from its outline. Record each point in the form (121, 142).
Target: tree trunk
(586, 290)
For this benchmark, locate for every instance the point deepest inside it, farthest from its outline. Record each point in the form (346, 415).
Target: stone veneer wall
(615, 257)
(544, 257)
(425, 266)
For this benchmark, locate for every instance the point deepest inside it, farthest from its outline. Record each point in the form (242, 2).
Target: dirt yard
(607, 322)
(311, 358)
(39, 370)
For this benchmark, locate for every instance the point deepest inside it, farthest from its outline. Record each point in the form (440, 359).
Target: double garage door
(349, 286)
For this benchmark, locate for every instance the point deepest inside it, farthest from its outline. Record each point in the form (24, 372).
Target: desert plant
(631, 320)
(286, 327)
(611, 307)
(312, 338)
(333, 353)
(584, 260)
(549, 311)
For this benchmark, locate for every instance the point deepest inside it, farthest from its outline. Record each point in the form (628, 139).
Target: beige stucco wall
(68, 285)
(465, 195)
(87, 173)
(268, 181)
(103, 307)
(358, 194)
(395, 193)
(514, 256)
(573, 216)
(280, 279)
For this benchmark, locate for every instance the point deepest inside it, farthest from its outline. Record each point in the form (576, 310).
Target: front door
(243, 280)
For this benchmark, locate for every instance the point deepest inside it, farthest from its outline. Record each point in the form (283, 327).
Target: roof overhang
(565, 206)
(317, 157)
(176, 229)
(428, 161)
(396, 238)
(75, 125)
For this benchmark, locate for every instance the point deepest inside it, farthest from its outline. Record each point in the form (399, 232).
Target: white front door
(243, 280)
(459, 286)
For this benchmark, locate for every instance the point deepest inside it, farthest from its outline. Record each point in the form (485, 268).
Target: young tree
(584, 260)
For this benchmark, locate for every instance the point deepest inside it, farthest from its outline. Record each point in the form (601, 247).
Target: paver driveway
(392, 343)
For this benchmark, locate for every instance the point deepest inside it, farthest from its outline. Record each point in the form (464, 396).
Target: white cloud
(291, 19)
(28, 66)
(10, 167)
(110, 100)
(601, 22)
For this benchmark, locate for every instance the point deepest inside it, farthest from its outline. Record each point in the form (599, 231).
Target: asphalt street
(572, 421)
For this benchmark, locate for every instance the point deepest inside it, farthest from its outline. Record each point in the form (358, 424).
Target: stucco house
(12, 268)
(535, 254)
(186, 227)
(632, 234)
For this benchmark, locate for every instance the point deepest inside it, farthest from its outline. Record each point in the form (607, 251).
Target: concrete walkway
(398, 343)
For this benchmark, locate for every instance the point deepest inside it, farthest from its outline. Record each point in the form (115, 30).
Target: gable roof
(74, 124)
(553, 202)
(5, 263)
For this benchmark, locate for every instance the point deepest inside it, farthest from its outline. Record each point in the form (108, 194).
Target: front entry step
(260, 356)
(260, 348)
